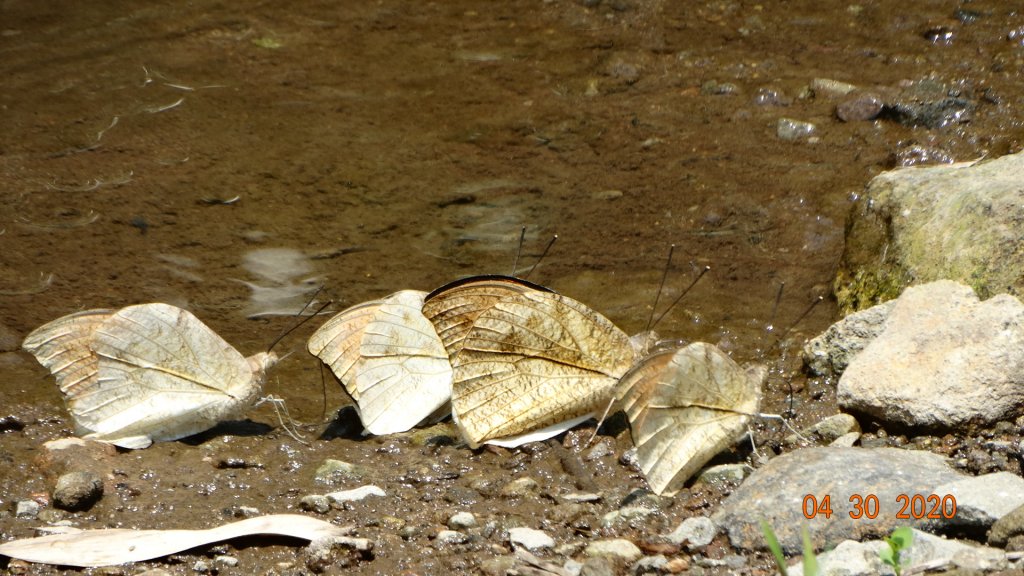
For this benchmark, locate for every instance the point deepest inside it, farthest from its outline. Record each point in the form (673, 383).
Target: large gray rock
(960, 221)
(943, 360)
(830, 353)
(981, 500)
(776, 492)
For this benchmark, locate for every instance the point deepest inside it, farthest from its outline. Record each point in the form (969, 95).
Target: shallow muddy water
(231, 157)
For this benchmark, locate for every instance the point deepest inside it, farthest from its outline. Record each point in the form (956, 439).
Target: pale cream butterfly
(146, 373)
(527, 363)
(389, 359)
(685, 406)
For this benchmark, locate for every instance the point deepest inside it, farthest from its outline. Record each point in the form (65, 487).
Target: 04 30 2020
(910, 506)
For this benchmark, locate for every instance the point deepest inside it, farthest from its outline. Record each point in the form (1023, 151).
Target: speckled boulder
(960, 221)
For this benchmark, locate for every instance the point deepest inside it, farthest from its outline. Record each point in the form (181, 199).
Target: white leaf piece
(91, 548)
(389, 359)
(146, 373)
(684, 407)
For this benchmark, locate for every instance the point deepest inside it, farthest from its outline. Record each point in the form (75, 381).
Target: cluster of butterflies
(509, 360)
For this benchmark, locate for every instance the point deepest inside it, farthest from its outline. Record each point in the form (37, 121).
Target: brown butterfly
(527, 363)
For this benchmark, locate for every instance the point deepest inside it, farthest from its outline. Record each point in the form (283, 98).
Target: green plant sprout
(899, 541)
(810, 562)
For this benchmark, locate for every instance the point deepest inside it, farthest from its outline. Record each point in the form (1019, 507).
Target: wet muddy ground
(156, 151)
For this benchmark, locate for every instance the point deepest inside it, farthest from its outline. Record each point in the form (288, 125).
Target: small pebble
(225, 560)
(581, 497)
(11, 423)
(315, 503)
(770, 97)
(613, 548)
(846, 440)
(242, 512)
(696, 532)
(334, 471)
(714, 88)
(863, 106)
(598, 451)
(77, 491)
(791, 130)
(724, 473)
(27, 509)
(629, 459)
(830, 88)
(356, 494)
(450, 537)
(530, 539)
(201, 566)
(462, 520)
(651, 565)
(520, 487)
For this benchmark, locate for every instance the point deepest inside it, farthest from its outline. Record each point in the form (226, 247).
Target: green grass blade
(810, 560)
(774, 547)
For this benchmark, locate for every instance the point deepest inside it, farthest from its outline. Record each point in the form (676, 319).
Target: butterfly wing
(63, 348)
(684, 407)
(454, 307)
(531, 360)
(338, 341)
(163, 375)
(403, 374)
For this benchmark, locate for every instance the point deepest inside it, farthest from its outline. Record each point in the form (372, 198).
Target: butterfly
(684, 406)
(527, 363)
(389, 359)
(146, 373)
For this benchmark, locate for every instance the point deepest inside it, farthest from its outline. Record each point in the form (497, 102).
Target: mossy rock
(962, 222)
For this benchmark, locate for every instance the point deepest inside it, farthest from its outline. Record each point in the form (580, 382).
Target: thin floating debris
(99, 135)
(45, 280)
(219, 201)
(158, 109)
(91, 184)
(79, 222)
(336, 252)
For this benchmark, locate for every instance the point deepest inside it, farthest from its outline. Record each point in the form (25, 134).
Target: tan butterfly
(389, 359)
(146, 373)
(684, 407)
(527, 363)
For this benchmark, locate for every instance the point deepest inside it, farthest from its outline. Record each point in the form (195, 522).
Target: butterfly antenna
(704, 271)
(600, 421)
(542, 255)
(661, 287)
(784, 333)
(775, 307)
(519, 250)
(323, 393)
(296, 327)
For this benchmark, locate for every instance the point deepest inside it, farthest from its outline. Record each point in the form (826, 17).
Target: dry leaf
(90, 548)
(684, 407)
(146, 373)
